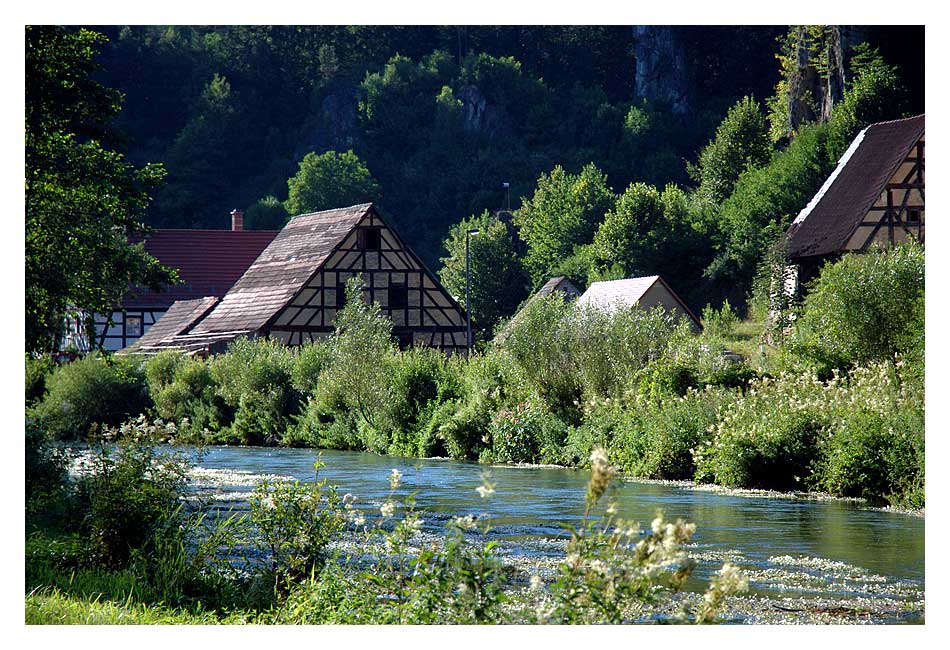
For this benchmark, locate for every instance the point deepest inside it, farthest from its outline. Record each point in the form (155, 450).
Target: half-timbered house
(294, 289)
(875, 196)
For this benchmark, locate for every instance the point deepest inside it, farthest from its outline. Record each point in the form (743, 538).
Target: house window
(340, 295)
(913, 217)
(133, 326)
(403, 339)
(368, 239)
(398, 296)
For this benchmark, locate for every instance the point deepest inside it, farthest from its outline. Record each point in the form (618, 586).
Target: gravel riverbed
(784, 589)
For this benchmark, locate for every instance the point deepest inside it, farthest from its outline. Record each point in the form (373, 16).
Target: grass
(51, 606)
(745, 339)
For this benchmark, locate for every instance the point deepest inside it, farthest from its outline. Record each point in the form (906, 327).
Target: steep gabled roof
(830, 218)
(282, 269)
(179, 318)
(209, 262)
(611, 295)
(558, 283)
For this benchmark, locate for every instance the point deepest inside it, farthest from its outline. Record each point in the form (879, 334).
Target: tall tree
(741, 143)
(562, 215)
(330, 180)
(497, 279)
(83, 201)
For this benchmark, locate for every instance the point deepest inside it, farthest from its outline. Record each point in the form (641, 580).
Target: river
(808, 560)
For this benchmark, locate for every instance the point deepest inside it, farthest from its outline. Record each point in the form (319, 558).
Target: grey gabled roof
(558, 283)
(179, 318)
(611, 295)
(282, 270)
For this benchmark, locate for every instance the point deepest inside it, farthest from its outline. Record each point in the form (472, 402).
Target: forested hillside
(438, 118)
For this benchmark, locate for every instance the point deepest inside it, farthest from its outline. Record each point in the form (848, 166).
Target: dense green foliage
(83, 200)
(498, 282)
(741, 144)
(327, 181)
(92, 391)
(864, 308)
(562, 214)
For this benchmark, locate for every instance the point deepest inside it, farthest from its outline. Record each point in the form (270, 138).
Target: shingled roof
(824, 226)
(611, 295)
(209, 262)
(177, 320)
(281, 270)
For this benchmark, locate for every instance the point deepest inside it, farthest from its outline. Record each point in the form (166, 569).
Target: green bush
(566, 353)
(719, 322)
(46, 472)
(876, 450)
(675, 427)
(92, 391)
(294, 524)
(516, 434)
(184, 391)
(37, 372)
(863, 308)
(254, 380)
(128, 492)
(311, 360)
(652, 437)
(416, 375)
(354, 387)
(770, 437)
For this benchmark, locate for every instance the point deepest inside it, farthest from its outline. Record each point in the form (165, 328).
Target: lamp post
(507, 188)
(468, 309)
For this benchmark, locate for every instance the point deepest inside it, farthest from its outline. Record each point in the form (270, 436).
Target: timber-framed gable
(421, 310)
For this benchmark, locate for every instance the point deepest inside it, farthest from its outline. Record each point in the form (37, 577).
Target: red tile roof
(828, 221)
(209, 262)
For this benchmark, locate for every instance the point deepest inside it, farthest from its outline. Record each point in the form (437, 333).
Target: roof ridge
(639, 277)
(900, 119)
(228, 230)
(364, 207)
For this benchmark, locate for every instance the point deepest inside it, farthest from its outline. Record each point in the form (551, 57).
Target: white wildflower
(487, 488)
(536, 582)
(466, 522)
(388, 509)
(395, 479)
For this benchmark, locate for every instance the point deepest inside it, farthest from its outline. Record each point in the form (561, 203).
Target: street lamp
(468, 309)
(507, 188)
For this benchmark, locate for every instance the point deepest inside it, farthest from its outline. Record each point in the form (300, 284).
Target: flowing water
(811, 559)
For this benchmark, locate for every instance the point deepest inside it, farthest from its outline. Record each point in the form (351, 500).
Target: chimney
(237, 219)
